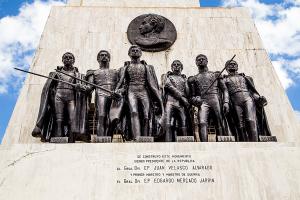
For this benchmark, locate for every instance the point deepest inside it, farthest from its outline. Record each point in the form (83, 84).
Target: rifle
(217, 77)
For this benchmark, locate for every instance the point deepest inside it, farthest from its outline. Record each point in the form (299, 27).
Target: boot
(203, 133)
(253, 132)
(100, 126)
(146, 128)
(59, 132)
(242, 136)
(168, 135)
(71, 138)
(135, 125)
(184, 131)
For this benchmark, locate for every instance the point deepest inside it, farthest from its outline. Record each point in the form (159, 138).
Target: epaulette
(90, 72)
(126, 63)
(59, 67)
(52, 74)
(143, 62)
(169, 73)
(217, 73)
(191, 79)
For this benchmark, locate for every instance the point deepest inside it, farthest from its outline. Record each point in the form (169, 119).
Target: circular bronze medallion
(152, 32)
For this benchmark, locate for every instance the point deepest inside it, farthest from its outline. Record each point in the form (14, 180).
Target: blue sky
(22, 22)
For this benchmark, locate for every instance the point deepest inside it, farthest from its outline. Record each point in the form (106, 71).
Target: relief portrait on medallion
(151, 32)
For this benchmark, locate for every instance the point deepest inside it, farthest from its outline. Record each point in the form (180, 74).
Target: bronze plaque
(152, 32)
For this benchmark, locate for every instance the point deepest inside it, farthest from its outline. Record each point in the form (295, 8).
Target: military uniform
(243, 105)
(65, 98)
(175, 87)
(211, 102)
(138, 96)
(106, 78)
(141, 96)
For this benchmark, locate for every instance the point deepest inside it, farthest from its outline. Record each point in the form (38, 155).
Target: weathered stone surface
(88, 171)
(216, 32)
(135, 3)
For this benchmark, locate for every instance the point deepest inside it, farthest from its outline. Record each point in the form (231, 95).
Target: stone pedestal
(144, 139)
(225, 139)
(102, 139)
(185, 139)
(59, 140)
(267, 138)
(118, 171)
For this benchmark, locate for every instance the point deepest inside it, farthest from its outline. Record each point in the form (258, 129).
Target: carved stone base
(100, 139)
(144, 139)
(225, 139)
(61, 140)
(273, 172)
(185, 139)
(263, 138)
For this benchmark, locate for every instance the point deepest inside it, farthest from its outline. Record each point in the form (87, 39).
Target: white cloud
(19, 36)
(295, 65)
(296, 2)
(281, 36)
(285, 80)
(280, 31)
(259, 10)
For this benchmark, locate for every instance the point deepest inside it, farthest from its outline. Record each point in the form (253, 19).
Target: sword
(217, 77)
(87, 82)
(40, 75)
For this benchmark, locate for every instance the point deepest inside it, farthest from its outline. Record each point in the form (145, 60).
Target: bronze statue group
(129, 101)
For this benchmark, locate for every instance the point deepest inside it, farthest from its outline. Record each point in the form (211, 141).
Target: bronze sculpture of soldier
(65, 95)
(139, 86)
(213, 102)
(106, 78)
(175, 93)
(58, 103)
(244, 100)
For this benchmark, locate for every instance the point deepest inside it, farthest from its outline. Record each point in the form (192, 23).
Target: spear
(87, 82)
(40, 75)
(55, 79)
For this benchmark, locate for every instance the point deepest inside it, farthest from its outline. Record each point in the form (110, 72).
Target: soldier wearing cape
(247, 119)
(63, 105)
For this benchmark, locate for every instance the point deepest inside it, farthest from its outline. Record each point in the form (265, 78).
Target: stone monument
(167, 30)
